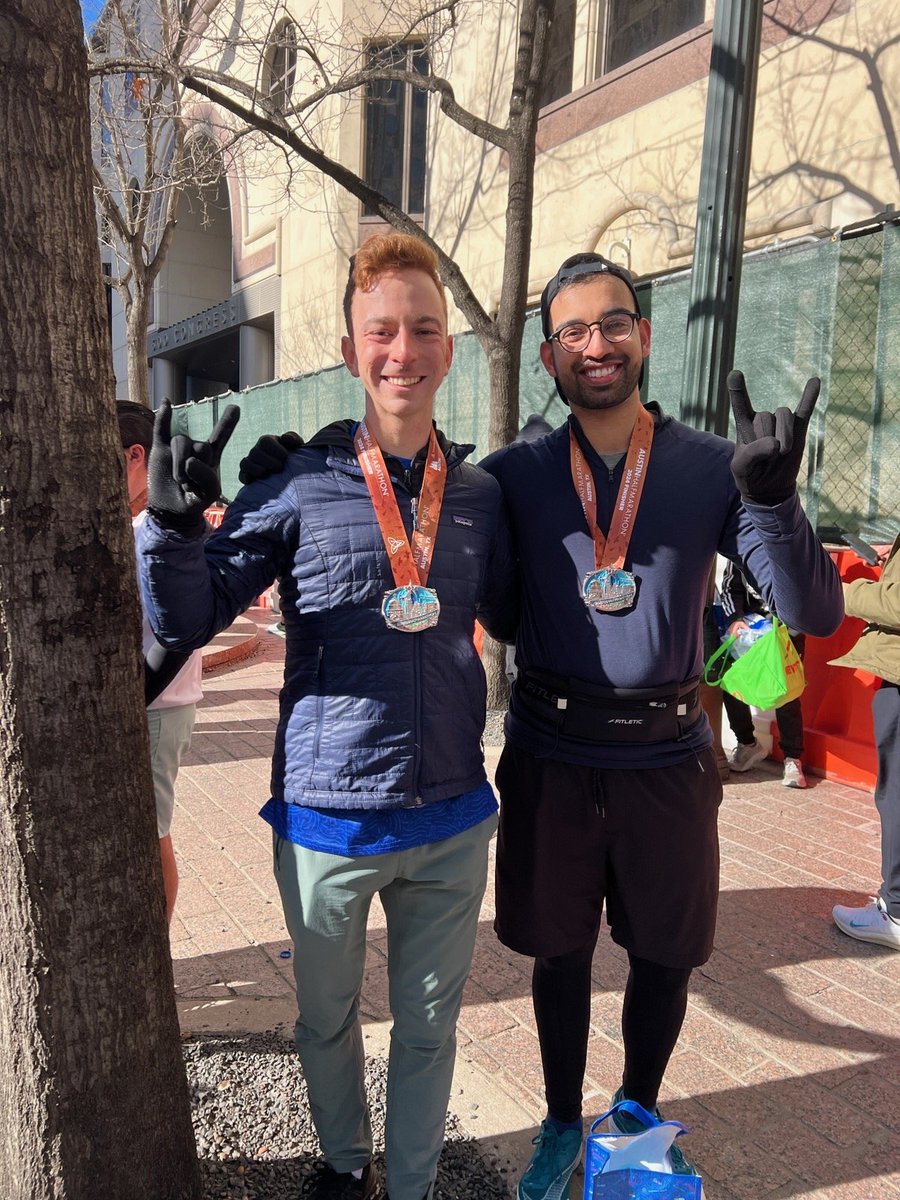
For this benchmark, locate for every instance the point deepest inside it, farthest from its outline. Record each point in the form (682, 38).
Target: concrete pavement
(788, 1067)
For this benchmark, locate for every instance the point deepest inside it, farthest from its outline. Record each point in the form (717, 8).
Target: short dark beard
(612, 399)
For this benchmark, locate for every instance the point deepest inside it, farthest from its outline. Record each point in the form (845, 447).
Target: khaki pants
(431, 897)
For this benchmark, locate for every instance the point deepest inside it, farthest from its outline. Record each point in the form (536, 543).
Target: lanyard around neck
(611, 551)
(410, 564)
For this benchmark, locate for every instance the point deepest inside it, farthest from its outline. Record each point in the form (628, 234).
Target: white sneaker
(793, 773)
(870, 924)
(744, 758)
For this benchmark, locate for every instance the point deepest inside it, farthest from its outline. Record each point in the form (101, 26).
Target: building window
(395, 129)
(560, 53)
(282, 65)
(634, 27)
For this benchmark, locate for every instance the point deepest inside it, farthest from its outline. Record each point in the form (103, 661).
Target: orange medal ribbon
(411, 606)
(610, 552)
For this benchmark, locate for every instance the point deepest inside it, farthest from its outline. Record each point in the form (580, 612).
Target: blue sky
(90, 11)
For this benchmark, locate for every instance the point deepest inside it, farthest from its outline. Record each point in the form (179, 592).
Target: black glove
(268, 456)
(769, 445)
(183, 475)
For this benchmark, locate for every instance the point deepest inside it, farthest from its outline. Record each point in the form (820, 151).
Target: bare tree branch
(140, 164)
(395, 216)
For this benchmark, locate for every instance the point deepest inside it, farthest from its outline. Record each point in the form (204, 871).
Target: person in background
(172, 685)
(711, 697)
(877, 602)
(739, 602)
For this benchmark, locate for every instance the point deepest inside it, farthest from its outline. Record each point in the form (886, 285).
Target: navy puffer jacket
(370, 717)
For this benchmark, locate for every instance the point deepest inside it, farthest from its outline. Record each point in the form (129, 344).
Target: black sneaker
(342, 1185)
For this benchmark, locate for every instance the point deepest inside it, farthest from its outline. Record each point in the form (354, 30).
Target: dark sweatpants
(886, 717)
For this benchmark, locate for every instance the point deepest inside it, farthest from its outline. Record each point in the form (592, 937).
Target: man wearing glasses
(608, 781)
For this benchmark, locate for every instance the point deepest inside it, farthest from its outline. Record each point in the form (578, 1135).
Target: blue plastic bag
(620, 1166)
(645, 1185)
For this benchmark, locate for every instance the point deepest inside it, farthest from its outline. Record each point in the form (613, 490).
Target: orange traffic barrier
(837, 704)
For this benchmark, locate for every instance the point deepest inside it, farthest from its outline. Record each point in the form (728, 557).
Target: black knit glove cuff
(190, 524)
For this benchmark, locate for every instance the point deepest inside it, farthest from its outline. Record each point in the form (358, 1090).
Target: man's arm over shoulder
(194, 587)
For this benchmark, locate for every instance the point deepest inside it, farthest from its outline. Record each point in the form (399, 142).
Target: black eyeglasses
(576, 336)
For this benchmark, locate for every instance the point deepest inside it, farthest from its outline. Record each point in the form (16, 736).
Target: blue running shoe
(623, 1122)
(552, 1164)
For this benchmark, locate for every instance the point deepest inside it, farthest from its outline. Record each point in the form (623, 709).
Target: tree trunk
(503, 364)
(505, 354)
(505, 351)
(503, 373)
(93, 1099)
(136, 340)
(493, 657)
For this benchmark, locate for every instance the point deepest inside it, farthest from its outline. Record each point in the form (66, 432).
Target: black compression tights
(652, 1016)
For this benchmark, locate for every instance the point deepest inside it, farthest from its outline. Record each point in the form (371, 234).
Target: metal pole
(721, 210)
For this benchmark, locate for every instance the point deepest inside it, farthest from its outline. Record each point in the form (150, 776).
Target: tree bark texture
(503, 372)
(137, 311)
(493, 656)
(93, 1099)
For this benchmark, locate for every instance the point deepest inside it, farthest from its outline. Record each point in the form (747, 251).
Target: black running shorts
(643, 841)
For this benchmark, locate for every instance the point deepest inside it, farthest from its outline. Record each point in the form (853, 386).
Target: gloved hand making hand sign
(769, 445)
(183, 475)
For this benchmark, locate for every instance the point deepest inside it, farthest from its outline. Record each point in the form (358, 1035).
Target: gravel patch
(255, 1139)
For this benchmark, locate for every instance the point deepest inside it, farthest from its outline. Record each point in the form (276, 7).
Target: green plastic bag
(767, 676)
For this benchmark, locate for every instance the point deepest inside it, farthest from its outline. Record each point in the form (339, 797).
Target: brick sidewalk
(788, 1067)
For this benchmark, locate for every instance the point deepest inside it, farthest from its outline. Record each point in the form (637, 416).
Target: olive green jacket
(877, 602)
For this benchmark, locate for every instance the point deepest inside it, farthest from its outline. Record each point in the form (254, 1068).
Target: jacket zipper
(406, 483)
(417, 675)
(320, 706)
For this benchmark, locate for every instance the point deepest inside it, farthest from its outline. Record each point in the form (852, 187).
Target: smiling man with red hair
(386, 544)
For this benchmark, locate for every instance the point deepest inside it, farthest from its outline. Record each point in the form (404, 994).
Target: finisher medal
(411, 608)
(610, 588)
